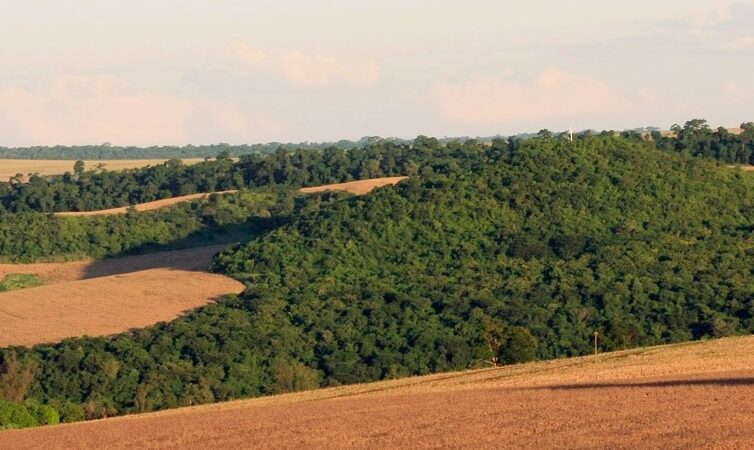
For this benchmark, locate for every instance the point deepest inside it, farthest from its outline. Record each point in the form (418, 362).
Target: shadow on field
(724, 382)
(193, 252)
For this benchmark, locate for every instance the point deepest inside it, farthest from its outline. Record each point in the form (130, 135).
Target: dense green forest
(33, 237)
(90, 190)
(87, 190)
(495, 253)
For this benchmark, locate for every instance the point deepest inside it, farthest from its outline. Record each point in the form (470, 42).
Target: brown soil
(355, 187)
(12, 167)
(109, 296)
(107, 305)
(50, 273)
(745, 168)
(698, 395)
(149, 206)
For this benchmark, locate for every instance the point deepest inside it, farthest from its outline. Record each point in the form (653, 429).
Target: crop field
(12, 167)
(106, 297)
(355, 187)
(697, 395)
(360, 187)
(50, 273)
(149, 206)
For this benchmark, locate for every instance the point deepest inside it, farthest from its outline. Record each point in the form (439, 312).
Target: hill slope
(699, 395)
(510, 254)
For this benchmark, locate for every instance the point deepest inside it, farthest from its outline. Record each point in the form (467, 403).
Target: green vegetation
(698, 139)
(14, 281)
(503, 253)
(91, 190)
(30, 237)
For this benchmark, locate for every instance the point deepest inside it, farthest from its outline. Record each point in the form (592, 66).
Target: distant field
(97, 298)
(698, 395)
(360, 187)
(745, 168)
(11, 167)
(149, 206)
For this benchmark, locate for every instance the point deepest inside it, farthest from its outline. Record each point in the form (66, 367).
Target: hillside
(500, 254)
(692, 395)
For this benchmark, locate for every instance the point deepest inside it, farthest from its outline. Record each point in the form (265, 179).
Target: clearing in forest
(698, 395)
(12, 167)
(355, 187)
(149, 206)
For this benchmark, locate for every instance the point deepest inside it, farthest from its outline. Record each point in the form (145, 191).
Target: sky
(176, 72)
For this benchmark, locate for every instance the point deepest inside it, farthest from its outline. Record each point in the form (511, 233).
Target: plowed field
(106, 297)
(356, 187)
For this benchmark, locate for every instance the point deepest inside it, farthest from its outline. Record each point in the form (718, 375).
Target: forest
(487, 254)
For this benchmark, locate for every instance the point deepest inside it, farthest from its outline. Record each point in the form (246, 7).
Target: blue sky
(178, 72)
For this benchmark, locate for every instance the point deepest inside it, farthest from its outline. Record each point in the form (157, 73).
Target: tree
(78, 168)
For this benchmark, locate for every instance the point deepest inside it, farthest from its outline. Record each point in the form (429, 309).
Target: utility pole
(596, 333)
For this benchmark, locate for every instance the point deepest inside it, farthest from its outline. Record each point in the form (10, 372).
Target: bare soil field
(106, 305)
(698, 395)
(108, 296)
(355, 187)
(11, 167)
(745, 168)
(149, 206)
(50, 273)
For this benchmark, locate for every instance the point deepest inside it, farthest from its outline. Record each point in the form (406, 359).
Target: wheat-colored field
(149, 206)
(698, 395)
(360, 187)
(97, 298)
(12, 167)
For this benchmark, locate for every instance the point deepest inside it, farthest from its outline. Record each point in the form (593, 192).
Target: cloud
(551, 94)
(724, 28)
(305, 70)
(80, 109)
(73, 110)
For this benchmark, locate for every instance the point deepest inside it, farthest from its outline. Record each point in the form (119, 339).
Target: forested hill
(519, 252)
(86, 190)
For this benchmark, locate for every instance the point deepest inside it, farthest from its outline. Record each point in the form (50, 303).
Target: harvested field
(698, 395)
(50, 273)
(355, 187)
(108, 296)
(745, 168)
(11, 167)
(149, 206)
(106, 305)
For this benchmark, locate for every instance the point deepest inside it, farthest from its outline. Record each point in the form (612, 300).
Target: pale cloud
(305, 70)
(94, 109)
(552, 94)
(78, 109)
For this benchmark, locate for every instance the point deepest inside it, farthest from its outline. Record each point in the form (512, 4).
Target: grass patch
(14, 281)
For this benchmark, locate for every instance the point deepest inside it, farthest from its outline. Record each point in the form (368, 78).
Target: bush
(13, 415)
(518, 346)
